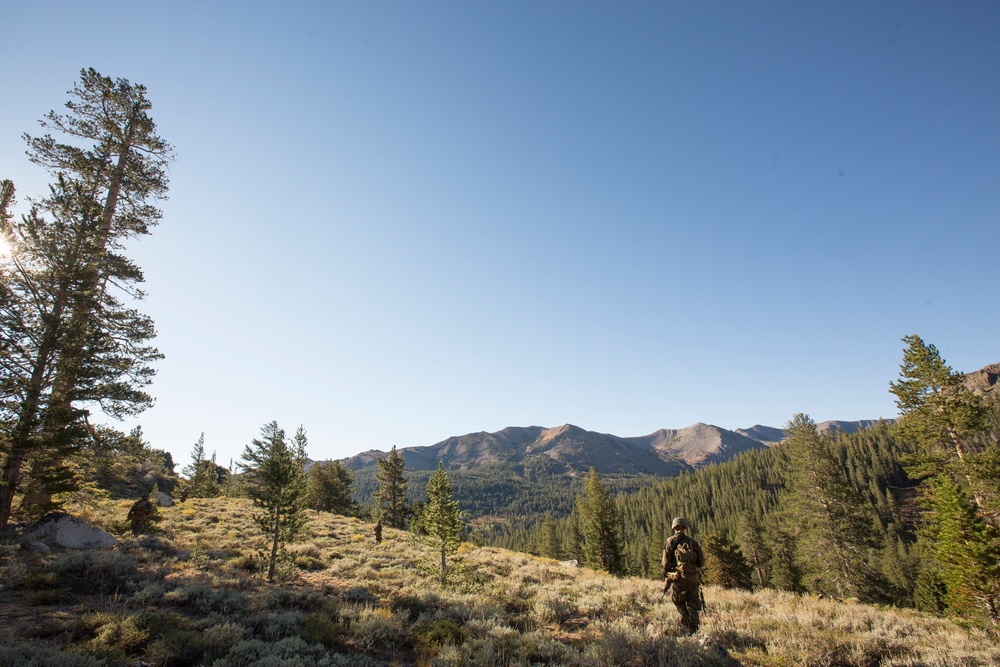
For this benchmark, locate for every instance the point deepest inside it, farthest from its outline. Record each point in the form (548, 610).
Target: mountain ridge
(573, 450)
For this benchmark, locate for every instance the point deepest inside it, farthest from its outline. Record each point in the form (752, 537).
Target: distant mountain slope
(766, 434)
(699, 444)
(983, 381)
(571, 449)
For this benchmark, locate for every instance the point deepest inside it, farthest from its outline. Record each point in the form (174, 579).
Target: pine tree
(599, 525)
(756, 549)
(330, 488)
(68, 340)
(441, 518)
(785, 572)
(549, 544)
(725, 564)
(940, 413)
(275, 480)
(390, 498)
(203, 475)
(832, 530)
(967, 551)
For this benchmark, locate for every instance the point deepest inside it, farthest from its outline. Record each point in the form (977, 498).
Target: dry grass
(191, 593)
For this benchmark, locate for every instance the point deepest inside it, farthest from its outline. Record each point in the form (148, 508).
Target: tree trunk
(274, 544)
(19, 441)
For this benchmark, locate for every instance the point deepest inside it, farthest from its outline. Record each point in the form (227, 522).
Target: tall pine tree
(330, 488)
(69, 341)
(833, 530)
(390, 497)
(441, 518)
(600, 526)
(274, 478)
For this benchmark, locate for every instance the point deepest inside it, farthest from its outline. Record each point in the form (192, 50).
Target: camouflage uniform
(139, 514)
(685, 588)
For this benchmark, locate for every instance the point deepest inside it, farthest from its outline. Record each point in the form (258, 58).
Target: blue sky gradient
(393, 222)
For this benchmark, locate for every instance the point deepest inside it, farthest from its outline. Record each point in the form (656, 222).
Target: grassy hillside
(189, 595)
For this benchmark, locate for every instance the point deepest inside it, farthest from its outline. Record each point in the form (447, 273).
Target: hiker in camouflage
(682, 561)
(139, 514)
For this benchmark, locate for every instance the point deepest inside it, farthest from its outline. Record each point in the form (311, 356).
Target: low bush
(19, 654)
(94, 571)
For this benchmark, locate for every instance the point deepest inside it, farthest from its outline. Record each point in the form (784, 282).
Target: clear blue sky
(393, 222)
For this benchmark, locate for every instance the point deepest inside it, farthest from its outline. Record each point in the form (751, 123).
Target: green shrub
(205, 598)
(151, 594)
(410, 604)
(288, 652)
(26, 655)
(176, 641)
(245, 562)
(115, 635)
(94, 571)
(375, 628)
(289, 598)
(219, 639)
(430, 636)
(309, 563)
(321, 629)
(47, 597)
(40, 581)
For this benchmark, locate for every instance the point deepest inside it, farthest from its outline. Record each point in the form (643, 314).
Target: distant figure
(184, 495)
(139, 514)
(682, 561)
(378, 532)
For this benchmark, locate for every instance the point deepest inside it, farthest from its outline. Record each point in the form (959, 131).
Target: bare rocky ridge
(666, 452)
(983, 381)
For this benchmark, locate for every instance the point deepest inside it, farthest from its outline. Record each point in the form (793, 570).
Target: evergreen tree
(68, 340)
(599, 525)
(390, 498)
(967, 551)
(960, 462)
(756, 549)
(441, 518)
(832, 530)
(203, 474)
(785, 572)
(725, 564)
(549, 545)
(330, 488)
(275, 480)
(941, 414)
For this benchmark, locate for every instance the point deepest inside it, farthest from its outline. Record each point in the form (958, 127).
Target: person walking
(682, 562)
(139, 514)
(378, 532)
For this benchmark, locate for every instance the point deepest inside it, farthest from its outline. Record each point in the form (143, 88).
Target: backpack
(685, 552)
(687, 561)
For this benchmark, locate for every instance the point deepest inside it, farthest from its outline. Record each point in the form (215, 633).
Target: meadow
(191, 593)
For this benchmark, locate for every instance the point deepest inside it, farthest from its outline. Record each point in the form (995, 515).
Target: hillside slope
(188, 594)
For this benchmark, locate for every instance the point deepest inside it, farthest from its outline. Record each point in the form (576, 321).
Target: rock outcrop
(59, 529)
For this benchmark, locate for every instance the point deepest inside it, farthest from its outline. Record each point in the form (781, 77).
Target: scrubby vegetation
(193, 593)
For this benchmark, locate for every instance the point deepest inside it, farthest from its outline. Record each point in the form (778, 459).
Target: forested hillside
(730, 498)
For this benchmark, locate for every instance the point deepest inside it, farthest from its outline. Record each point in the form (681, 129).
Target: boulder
(161, 499)
(36, 548)
(62, 530)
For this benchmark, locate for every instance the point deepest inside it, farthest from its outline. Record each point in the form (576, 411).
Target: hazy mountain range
(571, 449)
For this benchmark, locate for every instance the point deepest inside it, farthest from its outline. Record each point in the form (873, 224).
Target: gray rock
(62, 530)
(161, 499)
(36, 547)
